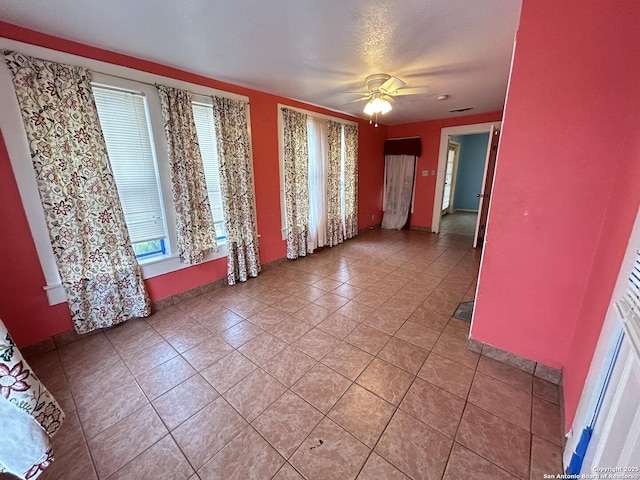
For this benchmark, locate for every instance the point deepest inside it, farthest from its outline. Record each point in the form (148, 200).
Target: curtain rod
(222, 93)
(282, 106)
(94, 65)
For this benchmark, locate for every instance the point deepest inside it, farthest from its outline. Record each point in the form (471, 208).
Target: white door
(615, 441)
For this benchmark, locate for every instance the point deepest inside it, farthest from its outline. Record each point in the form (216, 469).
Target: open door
(487, 183)
(453, 153)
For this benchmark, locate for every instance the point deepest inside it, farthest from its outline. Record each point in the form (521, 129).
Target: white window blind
(203, 116)
(125, 125)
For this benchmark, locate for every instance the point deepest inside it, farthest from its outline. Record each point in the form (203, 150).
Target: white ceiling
(313, 51)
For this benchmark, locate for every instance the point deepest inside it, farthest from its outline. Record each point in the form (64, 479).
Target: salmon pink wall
(622, 208)
(23, 304)
(566, 189)
(429, 132)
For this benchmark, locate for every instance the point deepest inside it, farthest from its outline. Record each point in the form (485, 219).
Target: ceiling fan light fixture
(368, 108)
(385, 107)
(377, 105)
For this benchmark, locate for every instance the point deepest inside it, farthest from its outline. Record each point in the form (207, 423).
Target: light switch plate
(425, 173)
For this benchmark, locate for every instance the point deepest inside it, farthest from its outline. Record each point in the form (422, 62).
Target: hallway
(459, 223)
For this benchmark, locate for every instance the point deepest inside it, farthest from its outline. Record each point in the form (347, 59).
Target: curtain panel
(296, 182)
(90, 241)
(236, 181)
(351, 181)
(29, 414)
(195, 231)
(335, 230)
(399, 172)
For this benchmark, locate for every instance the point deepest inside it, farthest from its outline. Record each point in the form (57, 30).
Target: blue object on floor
(578, 455)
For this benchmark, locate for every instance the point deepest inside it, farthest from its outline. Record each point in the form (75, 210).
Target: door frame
(445, 133)
(454, 174)
(487, 186)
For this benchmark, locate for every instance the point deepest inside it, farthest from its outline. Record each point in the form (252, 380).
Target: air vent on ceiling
(458, 110)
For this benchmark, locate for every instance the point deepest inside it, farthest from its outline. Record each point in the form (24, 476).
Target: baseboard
(465, 210)
(550, 374)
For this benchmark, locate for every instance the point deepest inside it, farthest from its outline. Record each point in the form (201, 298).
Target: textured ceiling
(313, 51)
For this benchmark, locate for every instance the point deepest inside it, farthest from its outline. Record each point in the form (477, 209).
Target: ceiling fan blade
(392, 84)
(363, 99)
(411, 91)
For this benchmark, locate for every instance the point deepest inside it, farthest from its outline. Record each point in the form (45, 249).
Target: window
(133, 102)
(125, 124)
(317, 139)
(203, 116)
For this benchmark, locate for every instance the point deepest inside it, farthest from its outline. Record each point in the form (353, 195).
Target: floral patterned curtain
(335, 233)
(296, 181)
(236, 180)
(29, 414)
(194, 221)
(87, 229)
(351, 181)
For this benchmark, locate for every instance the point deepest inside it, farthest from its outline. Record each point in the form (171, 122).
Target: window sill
(151, 267)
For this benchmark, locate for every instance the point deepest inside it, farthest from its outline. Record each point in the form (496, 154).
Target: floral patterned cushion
(26, 404)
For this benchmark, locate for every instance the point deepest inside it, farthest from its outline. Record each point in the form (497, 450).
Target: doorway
(459, 218)
(466, 157)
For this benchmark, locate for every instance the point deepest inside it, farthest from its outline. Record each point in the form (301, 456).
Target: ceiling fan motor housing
(375, 81)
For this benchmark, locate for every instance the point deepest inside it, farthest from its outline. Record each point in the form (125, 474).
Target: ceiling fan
(381, 88)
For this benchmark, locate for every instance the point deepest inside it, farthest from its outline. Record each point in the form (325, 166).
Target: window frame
(109, 83)
(17, 146)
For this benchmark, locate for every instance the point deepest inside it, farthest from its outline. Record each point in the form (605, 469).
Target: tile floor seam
(326, 417)
(352, 381)
(86, 440)
(268, 406)
(396, 408)
(149, 402)
(495, 377)
(221, 448)
(480, 454)
(506, 420)
(303, 440)
(184, 454)
(466, 402)
(134, 458)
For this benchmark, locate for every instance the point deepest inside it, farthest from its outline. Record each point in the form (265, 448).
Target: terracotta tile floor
(461, 223)
(341, 365)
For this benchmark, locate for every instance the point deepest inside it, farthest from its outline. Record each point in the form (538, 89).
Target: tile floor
(459, 223)
(341, 365)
